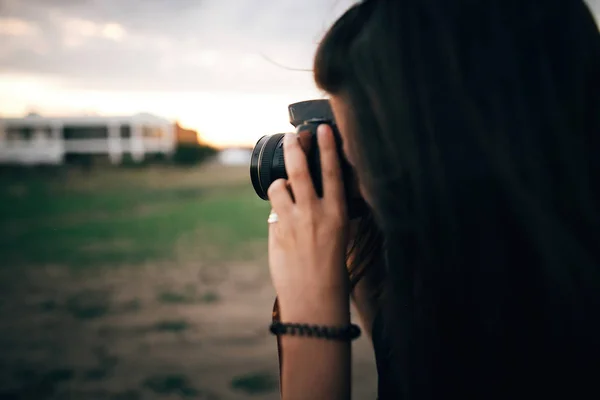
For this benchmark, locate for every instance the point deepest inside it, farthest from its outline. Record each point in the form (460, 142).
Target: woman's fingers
(298, 174)
(279, 196)
(295, 148)
(333, 185)
(305, 139)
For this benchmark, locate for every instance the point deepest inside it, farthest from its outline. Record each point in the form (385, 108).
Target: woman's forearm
(315, 368)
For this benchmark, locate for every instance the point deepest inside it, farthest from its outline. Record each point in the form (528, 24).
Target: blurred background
(132, 246)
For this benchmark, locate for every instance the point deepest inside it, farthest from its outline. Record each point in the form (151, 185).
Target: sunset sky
(223, 67)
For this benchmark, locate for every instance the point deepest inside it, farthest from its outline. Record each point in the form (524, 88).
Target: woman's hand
(307, 246)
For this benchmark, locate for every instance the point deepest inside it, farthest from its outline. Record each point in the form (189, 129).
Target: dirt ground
(145, 332)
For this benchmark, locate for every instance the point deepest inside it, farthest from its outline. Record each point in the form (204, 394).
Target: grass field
(115, 216)
(139, 283)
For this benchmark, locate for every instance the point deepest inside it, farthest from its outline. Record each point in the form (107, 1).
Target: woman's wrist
(330, 308)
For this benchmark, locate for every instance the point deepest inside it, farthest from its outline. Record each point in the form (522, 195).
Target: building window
(125, 131)
(17, 133)
(85, 132)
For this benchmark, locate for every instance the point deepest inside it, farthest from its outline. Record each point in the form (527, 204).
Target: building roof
(35, 120)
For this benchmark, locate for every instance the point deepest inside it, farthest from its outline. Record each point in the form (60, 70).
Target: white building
(41, 140)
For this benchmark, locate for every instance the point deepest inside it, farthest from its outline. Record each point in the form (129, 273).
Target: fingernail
(288, 138)
(322, 130)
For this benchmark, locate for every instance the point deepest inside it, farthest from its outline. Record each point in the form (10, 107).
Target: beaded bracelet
(345, 334)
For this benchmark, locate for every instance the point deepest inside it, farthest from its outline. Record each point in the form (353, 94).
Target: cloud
(190, 45)
(77, 31)
(17, 27)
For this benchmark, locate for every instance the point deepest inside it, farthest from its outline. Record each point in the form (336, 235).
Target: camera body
(268, 160)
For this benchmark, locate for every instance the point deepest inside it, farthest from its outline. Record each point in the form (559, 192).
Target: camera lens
(266, 164)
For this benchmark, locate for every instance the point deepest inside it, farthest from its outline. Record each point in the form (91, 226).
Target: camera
(267, 162)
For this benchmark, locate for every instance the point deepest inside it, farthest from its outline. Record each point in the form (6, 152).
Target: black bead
(347, 333)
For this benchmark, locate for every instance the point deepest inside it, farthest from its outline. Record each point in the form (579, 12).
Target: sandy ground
(153, 332)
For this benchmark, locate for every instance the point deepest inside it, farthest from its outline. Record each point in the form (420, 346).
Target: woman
(473, 127)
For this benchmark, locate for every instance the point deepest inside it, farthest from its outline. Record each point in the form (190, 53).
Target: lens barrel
(267, 164)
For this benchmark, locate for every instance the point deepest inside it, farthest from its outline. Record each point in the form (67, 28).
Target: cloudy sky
(224, 67)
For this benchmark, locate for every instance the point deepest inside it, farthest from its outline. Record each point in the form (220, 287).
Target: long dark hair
(475, 126)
